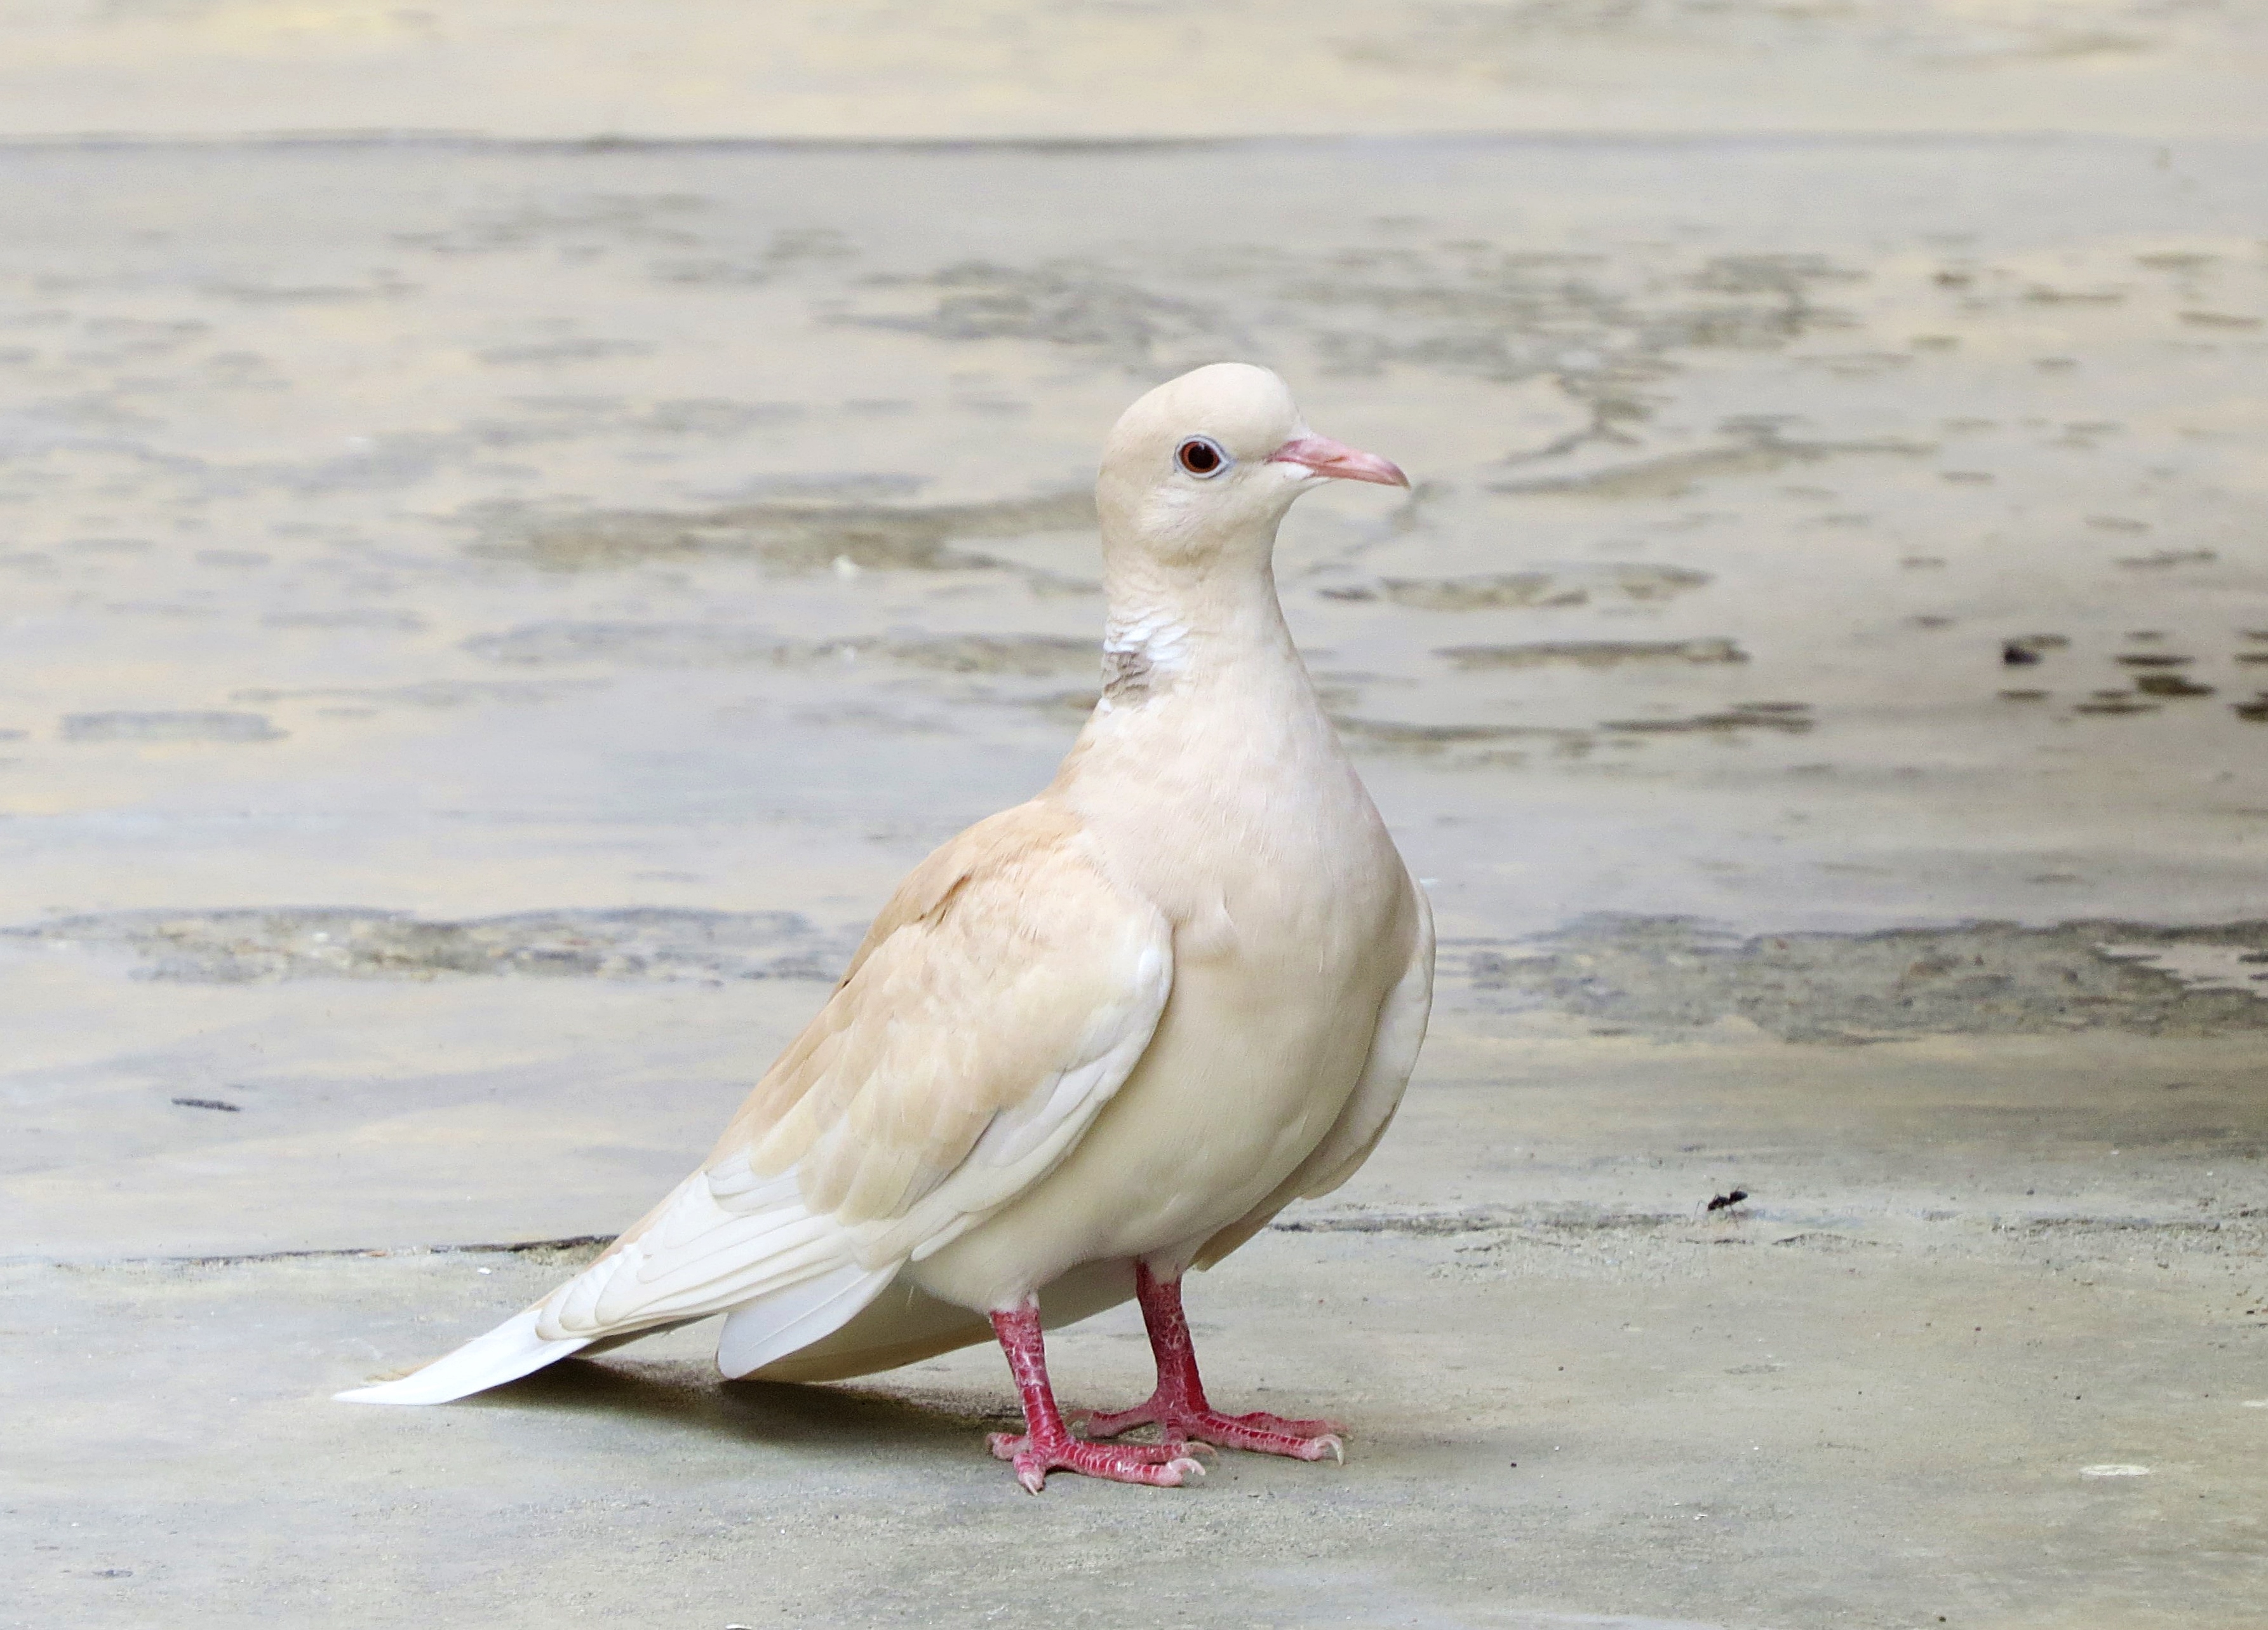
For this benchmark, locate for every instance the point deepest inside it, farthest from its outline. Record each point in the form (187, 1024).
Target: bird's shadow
(693, 1399)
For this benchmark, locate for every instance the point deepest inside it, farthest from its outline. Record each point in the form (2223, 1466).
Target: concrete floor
(1973, 1276)
(483, 623)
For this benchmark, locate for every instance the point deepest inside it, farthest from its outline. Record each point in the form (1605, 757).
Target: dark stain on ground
(1794, 718)
(786, 536)
(429, 693)
(1672, 475)
(193, 726)
(2166, 558)
(1033, 656)
(1393, 734)
(722, 644)
(242, 946)
(1591, 654)
(1663, 976)
(1577, 1219)
(1560, 587)
(2170, 685)
(378, 618)
(2115, 703)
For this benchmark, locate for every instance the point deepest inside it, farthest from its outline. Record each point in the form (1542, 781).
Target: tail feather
(784, 1321)
(512, 1350)
(724, 1241)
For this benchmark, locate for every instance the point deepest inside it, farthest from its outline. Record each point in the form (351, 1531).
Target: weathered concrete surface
(480, 626)
(457, 528)
(1871, 1395)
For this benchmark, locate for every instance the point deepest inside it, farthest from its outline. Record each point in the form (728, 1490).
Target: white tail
(512, 1350)
(725, 1241)
(787, 1321)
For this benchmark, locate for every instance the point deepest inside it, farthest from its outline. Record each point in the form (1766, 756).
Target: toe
(1170, 1472)
(1261, 1420)
(1101, 1424)
(1149, 1454)
(1247, 1431)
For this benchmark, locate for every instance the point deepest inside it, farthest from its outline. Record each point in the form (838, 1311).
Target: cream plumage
(1093, 1041)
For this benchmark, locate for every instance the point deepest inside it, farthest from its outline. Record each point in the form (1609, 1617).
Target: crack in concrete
(231, 1259)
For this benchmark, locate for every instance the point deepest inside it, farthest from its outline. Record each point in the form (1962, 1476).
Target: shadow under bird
(1094, 1041)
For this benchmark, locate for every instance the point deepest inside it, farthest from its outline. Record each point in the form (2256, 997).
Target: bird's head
(1200, 471)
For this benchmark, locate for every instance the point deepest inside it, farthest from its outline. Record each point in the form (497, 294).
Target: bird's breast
(1283, 957)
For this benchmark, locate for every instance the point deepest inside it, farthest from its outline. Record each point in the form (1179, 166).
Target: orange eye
(1201, 456)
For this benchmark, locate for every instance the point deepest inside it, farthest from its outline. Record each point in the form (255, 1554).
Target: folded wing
(998, 1002)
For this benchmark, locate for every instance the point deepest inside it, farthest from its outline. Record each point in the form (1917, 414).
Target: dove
(1093, 1042)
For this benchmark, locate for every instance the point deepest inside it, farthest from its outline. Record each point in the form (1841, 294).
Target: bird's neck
(1209, 750)
(1171, 632)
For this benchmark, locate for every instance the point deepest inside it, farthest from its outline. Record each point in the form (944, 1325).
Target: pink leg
(1047, 1444)
(1178, 1408)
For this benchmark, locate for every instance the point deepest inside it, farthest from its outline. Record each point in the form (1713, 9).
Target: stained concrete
(482, 624)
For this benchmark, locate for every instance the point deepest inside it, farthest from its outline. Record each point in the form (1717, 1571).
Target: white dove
(1093, 1042)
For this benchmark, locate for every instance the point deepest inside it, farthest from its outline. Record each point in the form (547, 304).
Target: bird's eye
(1201, 456)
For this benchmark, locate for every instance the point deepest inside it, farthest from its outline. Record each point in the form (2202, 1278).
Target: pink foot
(1262, 1433)
(1047, 1445)
(1162, 1466)
(1179, 1408)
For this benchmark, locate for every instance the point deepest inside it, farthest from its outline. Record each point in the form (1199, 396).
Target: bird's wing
(1000, 1000)
(1370, 1107)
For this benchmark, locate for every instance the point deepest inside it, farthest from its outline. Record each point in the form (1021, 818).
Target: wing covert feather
(999, 1000)
(992, 981)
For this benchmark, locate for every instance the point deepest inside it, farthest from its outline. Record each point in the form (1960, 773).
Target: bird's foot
(1260, 1431)
(1162, 1465)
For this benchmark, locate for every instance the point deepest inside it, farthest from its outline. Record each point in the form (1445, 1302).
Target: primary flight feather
(1093, 1041)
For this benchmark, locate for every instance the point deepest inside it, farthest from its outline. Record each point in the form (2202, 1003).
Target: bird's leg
(1179, 1406)
(1047, 1444)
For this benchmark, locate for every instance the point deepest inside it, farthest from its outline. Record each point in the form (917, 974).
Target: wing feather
(1001, 998)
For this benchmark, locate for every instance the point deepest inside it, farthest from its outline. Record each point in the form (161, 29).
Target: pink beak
(1326, 457)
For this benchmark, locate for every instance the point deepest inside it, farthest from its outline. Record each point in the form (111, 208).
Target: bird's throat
(1158, 643)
